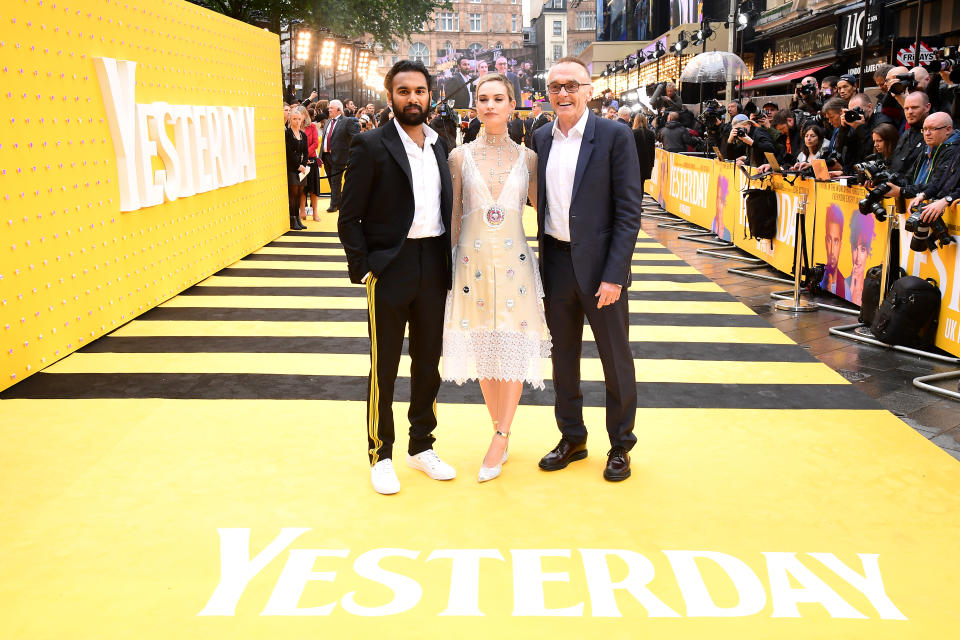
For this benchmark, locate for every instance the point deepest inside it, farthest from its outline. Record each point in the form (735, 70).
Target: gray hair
(624, 112)
(337, 104)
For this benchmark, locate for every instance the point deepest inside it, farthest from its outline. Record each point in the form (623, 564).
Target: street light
(327, 49)
(303, 45)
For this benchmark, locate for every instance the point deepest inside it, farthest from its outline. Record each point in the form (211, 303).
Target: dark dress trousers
(408, 283)
(604, 222)
(335, 160)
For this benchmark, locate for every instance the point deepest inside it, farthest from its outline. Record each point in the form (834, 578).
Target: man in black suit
(395, 228)
(534, 122)
(459, 86)
(588, 219)
(335, 147)
(502, 67)
(473, 128)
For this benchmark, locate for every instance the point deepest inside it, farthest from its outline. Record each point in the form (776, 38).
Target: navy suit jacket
(377, 206)
(606, 204)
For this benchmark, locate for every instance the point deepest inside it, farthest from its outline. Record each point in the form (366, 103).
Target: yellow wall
(72, 265)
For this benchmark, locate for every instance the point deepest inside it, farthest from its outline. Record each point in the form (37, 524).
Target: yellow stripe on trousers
(373, 417)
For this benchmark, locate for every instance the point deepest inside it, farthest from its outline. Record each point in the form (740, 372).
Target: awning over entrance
(780, 78)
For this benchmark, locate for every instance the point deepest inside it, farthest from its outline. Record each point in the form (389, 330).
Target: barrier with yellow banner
(838, 235)
(142, 150)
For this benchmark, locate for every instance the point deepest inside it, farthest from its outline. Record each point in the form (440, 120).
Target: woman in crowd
(296, 141)
(311, 184)
(815, 145)
(885, 138)
(643, 137)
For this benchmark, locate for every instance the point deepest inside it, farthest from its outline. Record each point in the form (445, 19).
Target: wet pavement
(882, 374)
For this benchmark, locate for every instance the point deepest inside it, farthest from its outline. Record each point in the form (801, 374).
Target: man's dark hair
(831, 81)
(882, 71)
(781, 117)
(835, 104)
(402, 66)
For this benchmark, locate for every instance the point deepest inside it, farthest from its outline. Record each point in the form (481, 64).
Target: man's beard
(411, 118)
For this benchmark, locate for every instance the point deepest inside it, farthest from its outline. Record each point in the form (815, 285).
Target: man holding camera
(747, 142)
(665, 97)
(940, 146)
(806, 97)
(855, 142)
(940, 165)
(916, 108)
(790, 142)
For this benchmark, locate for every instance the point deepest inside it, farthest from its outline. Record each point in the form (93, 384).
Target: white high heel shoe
(489, 473)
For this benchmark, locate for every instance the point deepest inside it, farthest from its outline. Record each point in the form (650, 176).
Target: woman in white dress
(494, 327)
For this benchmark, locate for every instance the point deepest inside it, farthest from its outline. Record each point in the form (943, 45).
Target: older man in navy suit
(588, 218)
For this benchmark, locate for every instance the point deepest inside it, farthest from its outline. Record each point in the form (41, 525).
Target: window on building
(448, 47)
(513, 23)
(474, 1)
(420, 52)
(448, 21)
(586, 20)
(580, 46)
(475, 25)
(554, 4)
(557, 28)
(475, 48)
(557, 51)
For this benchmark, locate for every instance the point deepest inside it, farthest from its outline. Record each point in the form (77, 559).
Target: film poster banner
(943, 265)
(725, 200)
(845, 241)
(779, 252)
(690, 189)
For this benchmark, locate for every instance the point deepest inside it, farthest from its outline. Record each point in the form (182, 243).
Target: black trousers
(566, 306)
(335, 178)
(412, 290)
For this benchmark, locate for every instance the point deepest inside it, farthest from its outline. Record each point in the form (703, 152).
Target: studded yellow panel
(80, 128)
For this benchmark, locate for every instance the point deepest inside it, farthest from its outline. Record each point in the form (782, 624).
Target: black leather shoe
(562, 455)
(618, 465)
(331, 209)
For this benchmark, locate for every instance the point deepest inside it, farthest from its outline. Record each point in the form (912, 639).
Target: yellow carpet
(201, 473)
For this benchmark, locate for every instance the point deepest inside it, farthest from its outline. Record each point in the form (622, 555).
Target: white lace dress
(494, 325)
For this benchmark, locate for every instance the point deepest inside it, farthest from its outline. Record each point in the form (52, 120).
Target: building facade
(469, 26)
(561, 28)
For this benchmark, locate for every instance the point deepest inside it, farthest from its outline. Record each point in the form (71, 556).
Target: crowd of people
(908, 128)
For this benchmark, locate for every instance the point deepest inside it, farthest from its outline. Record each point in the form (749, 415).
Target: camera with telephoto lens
(926, 235)
(712, 113)
(875, 172)
(854, 115)
(740, 132)
(807, 91)
(812, 277)
(947, 59)
(904, 82)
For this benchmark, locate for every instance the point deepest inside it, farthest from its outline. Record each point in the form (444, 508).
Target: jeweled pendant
(494, 217)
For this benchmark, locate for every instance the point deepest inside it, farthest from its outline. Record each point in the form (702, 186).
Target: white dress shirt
(560, 172)
(427, 222)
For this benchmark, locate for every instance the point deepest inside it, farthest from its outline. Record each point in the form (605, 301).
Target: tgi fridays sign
(905, 56)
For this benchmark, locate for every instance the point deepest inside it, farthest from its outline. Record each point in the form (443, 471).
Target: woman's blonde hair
(497, 77)
(302, 110)
(640, 121)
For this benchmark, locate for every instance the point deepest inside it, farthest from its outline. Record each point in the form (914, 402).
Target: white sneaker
(384, 478)
(430, 463)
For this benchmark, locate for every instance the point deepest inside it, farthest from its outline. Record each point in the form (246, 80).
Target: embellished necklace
(498, 142)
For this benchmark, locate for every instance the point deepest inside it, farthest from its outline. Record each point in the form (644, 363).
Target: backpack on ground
(871, 291)
(761, 206)
(908, 315)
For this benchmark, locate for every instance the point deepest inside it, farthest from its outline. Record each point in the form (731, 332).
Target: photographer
(943, 186)
(938, 153)
(941, 95)
(747, 143)
(665, 97)
(858, 120)
(916, 108)
(790, 142)
(806, 97)
(837, 134)
(676, 138)
(710, 123)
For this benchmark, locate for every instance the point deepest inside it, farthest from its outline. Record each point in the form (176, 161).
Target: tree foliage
(384, 20)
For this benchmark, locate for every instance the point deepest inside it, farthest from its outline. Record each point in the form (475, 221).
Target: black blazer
(458, 90)
(376, 208)
(605, 207)
(347, 128)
